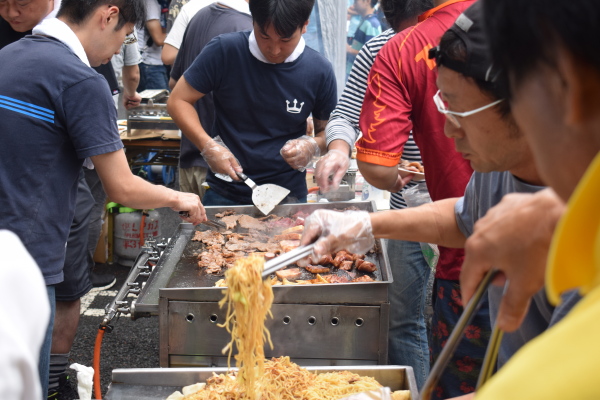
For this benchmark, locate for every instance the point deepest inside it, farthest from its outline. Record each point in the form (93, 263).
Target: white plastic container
(127, 234)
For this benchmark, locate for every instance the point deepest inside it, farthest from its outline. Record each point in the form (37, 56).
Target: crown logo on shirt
(294, 109)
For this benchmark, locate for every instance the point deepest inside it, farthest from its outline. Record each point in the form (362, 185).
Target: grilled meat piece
(270, 217)
(250, 223)
(317, 269)
(230, 221)
(364, 278)
(340, 257)
(212, 261)
(236, 237)
(359, 262)
(346, 265)
(280, 223)
(270, 256)
(326, 259)
(336, 279)
(367, 266)
(267, 247)
(287, 236)
(209, 237)
(225, 213)
(290, 274)
(288, 245)
(239, 246)
(358, 256)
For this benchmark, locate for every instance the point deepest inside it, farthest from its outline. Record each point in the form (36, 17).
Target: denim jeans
(212, 198)
(44, 363)
(408, 331)
(153, 77)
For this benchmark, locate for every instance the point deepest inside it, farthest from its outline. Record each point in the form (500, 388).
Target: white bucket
(126, 244)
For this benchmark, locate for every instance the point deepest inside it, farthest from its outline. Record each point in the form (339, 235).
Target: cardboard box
(101, 254)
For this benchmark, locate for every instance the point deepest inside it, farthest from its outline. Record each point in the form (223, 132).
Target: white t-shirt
(175, 36)
(150, 54)
(24, 312)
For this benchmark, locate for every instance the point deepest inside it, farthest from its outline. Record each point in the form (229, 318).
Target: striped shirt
(343, 123)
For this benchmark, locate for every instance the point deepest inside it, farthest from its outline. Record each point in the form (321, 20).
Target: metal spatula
(265, 197)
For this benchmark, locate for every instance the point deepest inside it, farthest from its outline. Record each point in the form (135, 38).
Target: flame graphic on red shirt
(375, 84)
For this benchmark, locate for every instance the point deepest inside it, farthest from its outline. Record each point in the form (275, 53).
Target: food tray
(159, 383)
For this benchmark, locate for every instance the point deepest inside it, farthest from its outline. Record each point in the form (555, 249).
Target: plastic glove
(300, 152)
(220, 159)
(334, 231)
(331, 169)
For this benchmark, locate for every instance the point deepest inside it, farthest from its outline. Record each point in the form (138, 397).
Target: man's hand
(299, 153)
(191, 204)
(330, 169)
(334, 231)
(401, 182)
(220, 159)
(130, 101)
(513, 237)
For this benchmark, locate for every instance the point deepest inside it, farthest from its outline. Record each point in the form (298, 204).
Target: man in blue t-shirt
(221, 17)
(55, 111)
(265, 83)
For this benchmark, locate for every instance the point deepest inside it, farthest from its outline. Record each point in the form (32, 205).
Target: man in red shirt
(399, 99)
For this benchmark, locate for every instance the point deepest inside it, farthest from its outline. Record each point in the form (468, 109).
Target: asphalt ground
(131, 344)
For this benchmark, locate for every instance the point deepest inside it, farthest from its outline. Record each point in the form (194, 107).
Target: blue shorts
(78, 260)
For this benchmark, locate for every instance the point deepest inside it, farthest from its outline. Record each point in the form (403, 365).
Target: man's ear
(110, 16)
(582, 89)
(304, 27)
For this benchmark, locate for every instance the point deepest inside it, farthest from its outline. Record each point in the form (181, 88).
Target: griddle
(177, 275)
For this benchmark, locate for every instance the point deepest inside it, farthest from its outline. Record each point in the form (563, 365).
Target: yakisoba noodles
(249, 300)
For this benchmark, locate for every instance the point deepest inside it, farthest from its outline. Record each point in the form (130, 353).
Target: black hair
(374, 3)
(525, 34)
(286, 16)
(397, 11)
(78, 11)
(453, 48)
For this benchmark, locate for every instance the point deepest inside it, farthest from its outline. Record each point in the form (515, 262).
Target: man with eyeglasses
(484, 133)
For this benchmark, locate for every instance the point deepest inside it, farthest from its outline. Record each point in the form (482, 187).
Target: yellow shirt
(564, 362)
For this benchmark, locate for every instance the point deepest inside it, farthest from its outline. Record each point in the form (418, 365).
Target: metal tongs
(214, 224)
(489, 361)
(286, 259)
(209, 222)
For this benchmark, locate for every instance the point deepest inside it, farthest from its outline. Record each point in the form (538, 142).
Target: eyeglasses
(130, 39)
(451, 115)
